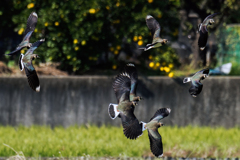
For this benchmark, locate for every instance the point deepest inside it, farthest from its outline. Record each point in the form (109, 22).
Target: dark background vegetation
(98, 36)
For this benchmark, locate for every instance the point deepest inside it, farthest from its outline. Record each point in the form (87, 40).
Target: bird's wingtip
(169, 110)
(38, 89)
(160, 155)
(202, 48)
(131, 64)
(35, 14)
(149, 16)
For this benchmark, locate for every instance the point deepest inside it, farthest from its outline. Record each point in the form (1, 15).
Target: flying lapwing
(125, 90)
(25, 62)
(155, 29)
(153, 134)
(31, 24)
(202, 28)
(196, 86)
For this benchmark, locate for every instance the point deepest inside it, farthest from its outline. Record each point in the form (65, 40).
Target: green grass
(109, 141)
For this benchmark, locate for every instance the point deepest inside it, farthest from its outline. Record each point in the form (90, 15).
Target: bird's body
(196, 86)
(155, 29)
(31, 24)
(202, 41)
(153, 134)
(25, 62)
(124, 86)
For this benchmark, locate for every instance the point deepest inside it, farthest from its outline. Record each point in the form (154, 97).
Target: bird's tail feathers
(186, 80)
(143, 125)
(20, 63)
(113, 111)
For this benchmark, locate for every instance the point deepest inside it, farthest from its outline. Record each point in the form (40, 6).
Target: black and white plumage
(196, 86)
(124, 85)
(202, 41)
(155, 29)
(31, 24)
(25, 62)
(153, 134)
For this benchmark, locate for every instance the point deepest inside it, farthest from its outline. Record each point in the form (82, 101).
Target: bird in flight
(202, 28)
(196, 86)
(155, 29)
(31, 24)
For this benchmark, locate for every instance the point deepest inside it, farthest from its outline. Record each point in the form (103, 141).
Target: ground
(42, 69)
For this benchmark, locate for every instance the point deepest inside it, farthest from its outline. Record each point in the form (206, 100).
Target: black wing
(15, 51)
(210, 16)
(152, 24)
(195, 88)
(38, 43)
(33, 80)
(161, 113)
(122, 85)
(132, 71)
(31, 23)
(202, 41)
(155, 142)
(131, 127)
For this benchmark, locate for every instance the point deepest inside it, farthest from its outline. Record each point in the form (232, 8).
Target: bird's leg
(134, 103)
(137, 98)
(29, 45)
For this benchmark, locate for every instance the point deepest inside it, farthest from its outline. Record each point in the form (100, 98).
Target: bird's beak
(38, 56)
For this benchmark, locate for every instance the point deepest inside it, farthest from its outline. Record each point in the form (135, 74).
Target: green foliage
(228, 47)
(84, 35)
(108, 141)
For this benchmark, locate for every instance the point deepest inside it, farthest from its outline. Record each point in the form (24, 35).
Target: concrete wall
(79, 100)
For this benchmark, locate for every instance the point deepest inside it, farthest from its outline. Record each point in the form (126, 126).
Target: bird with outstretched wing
(31, 24)
(155, 29)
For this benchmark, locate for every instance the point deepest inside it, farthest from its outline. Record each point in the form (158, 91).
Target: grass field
(109, 141)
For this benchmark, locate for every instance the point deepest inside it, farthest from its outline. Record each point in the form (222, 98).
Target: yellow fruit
(30, 5)
(151, 64)
(140, 43)
(56, 23)
(116, 52)
(92, 11)
(20, 31)
(150, 1)
(135, 38)
(75, 41)
(83, 42)
(114, 67)
(170, 74)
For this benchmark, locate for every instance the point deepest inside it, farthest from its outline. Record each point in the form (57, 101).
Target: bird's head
(165, 41)
(211, 21)
(160, 124)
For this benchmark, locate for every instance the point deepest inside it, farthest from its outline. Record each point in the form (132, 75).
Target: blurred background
(97, 37)
(87, 43)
